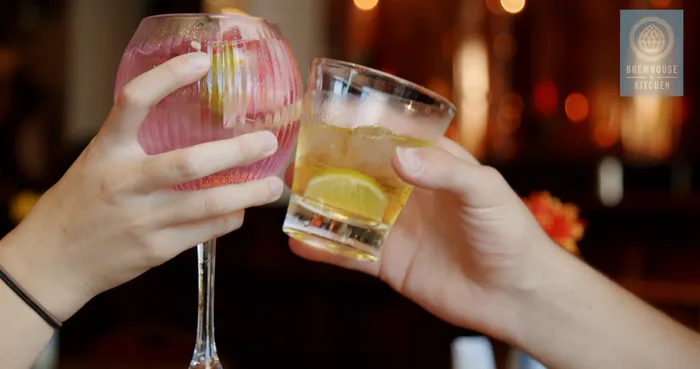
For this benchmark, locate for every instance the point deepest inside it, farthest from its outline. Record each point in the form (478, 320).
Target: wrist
(34, 265)
(549, 281)
(574, 311)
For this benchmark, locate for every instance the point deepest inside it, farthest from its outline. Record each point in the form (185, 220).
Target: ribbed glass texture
(254, 84)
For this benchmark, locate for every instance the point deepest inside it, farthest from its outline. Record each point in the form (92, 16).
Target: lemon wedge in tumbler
(349, 191)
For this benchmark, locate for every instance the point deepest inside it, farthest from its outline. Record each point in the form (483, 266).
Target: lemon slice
(350, 191)
(215, 90)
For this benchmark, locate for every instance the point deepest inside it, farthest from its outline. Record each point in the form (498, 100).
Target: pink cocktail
(253, 85)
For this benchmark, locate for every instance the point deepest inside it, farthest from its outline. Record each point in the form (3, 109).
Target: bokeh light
(366, 5)
(680, 111)
(232, 10)
(576, 107)
(605, 135)
(604, 114)
(513, 6)
(494, 6)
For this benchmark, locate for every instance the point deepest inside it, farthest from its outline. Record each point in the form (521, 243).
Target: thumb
(436, 169)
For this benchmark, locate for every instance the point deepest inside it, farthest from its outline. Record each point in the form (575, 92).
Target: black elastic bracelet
(14, 286)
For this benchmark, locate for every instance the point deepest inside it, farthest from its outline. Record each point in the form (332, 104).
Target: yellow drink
(346, 194)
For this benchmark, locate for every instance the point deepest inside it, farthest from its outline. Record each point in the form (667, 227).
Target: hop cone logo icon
(652, 40)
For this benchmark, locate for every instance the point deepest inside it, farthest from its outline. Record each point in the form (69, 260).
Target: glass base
(333, 231)
(203, 363)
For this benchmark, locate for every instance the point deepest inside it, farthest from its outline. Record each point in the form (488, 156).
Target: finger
(184, 165)
(173, 241)
(456, 150)
(309, 252)
(193, 206)
(436, 169)
(138, 96)
(289, 175)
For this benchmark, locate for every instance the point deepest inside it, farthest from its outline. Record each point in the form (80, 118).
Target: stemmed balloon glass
(253, 85)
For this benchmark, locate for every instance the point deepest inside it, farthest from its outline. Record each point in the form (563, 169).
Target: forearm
(23, 334)
(579, 319)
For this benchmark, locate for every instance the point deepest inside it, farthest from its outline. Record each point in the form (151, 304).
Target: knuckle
(454, 166)
(248, 147)
(223, 225)
(112, 189)
(173, 69)
(212, 206)
(265, 191)
(149, 246)
(492, 174)
(256, 193)
(153, 249)
(235, 220)
(131, 97)
(136, 227)
(184, 166)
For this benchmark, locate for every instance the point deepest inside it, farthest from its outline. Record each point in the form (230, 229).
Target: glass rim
(422, 89)
(206, 15)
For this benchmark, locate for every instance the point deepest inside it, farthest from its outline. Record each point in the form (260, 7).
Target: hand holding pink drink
(253, 85)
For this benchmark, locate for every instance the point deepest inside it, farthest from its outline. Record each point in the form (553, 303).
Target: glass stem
(205, 356)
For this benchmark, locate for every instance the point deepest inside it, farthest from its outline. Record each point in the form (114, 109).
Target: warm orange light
(232, 10)
(494, 6)
(451, 132)
(604, 135)
(513, 6)
(388, 70)
(546, 97)
(440, 86)
(660, 3)
(472, 85)
(576, 107)
(604, 115)
(647, 131)
(680, 111)
(366, 5)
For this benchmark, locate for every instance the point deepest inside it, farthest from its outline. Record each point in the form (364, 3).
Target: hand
(113, 215)
(464, 246)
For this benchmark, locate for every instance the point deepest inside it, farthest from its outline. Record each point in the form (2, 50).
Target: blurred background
(537, 85)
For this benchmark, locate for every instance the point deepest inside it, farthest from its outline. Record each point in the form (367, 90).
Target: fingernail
(199, 60)
(276, 188)
(268, 142)
(409, 159)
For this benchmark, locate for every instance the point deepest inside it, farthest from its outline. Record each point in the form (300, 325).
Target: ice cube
(370, 109)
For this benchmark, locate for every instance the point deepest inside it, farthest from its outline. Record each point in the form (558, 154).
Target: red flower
(560, 221)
